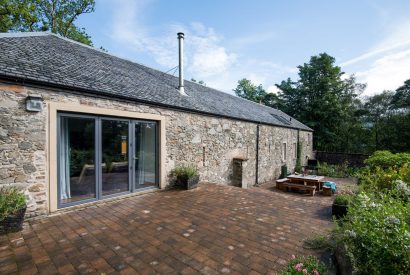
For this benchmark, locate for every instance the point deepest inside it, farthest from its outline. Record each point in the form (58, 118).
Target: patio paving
(212, 229)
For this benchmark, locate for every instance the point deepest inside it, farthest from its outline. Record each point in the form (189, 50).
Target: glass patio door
(114, 156)
(99, 157)
(145, 155)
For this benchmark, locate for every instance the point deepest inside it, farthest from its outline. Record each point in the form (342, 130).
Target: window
(101, 157)
(284, 152)
(77, 159)
(114, 156)
(295, 148)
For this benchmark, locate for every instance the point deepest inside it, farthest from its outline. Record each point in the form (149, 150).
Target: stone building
(78, 125)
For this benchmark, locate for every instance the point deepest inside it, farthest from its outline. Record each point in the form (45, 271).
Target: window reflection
(145, 154)
(114, 166)
(77, 155)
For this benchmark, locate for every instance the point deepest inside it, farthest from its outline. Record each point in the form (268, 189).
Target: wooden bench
(280, 184)
(292, 186)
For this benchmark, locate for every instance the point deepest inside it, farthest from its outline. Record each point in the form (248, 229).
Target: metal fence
(355, 160)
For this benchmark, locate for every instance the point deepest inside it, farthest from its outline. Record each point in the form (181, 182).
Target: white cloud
(206, 56)
(203, 53)
(386, 65)
(273, 90)
(387, 73)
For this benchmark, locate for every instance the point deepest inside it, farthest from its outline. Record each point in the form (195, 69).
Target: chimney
(181, 63)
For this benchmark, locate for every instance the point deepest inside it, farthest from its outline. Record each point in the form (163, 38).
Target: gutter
(42, 84)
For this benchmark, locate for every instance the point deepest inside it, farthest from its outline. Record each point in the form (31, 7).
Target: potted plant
(186, 177)
(12, 209)
(340, 205)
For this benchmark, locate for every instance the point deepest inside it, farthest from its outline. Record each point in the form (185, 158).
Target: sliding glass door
(145, 160)
(114, 157)
(95, 156)
(77, 156)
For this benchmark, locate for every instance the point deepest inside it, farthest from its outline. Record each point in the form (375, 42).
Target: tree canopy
(246, 89)
(57, 16)
(322, 98)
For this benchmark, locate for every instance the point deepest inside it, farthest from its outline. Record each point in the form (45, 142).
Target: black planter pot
(339, 210)
(187, 183)
(13, 223)
(192, 182)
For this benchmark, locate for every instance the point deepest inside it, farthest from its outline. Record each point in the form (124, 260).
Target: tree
(377, 111)
(246, 89)
(387, 116)
(324, 100)
(401, 98)
(57, 16)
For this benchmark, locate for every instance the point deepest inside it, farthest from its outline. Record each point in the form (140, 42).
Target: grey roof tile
(58, 61)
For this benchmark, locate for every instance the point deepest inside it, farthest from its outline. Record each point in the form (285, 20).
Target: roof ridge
(23, 34)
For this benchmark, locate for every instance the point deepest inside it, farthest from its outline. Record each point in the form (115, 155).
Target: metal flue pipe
(181, 63)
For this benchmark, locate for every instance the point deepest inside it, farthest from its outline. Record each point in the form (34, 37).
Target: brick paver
(211, 230)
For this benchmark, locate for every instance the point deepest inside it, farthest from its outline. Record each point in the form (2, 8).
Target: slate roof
(50, 60)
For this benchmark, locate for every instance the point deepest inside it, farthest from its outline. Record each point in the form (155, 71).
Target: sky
(261, 40)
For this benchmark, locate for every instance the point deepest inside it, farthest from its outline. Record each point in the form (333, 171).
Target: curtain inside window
(141, 154)
(65, 191)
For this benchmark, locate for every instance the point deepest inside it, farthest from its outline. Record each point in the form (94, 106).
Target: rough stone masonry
(208, 142)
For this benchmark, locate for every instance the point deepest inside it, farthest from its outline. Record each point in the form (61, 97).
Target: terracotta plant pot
(339, 210)
(13, 223)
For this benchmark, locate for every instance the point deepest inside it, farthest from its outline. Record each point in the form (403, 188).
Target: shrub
(386, 159)
(183, 173)
(380, 179)
(304, 265)
(298, 166)
(317, 242)
(376, 233)
(343, 199)
(334, 171)
(11, 201)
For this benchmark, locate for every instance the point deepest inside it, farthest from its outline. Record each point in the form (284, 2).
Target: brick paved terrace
(212, 229)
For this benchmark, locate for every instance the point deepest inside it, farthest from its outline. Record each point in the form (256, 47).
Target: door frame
(84, 110)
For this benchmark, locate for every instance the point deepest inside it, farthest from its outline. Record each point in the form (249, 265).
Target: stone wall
(209, 142)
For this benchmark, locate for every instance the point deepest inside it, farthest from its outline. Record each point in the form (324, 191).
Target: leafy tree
(57, 16)
(246, 89)
(376, 110)
(402, 97)
(387, 117)
(324, 100)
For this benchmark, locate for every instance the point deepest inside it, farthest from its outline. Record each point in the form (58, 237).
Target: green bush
(379, 179)
(334, 171)
(386, 160)
(376, 233)
(304, 265)
(343, 199)
(298, 166)
(11, 201)
(183, 173)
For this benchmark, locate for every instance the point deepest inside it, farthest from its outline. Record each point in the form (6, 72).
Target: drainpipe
(181, 63)
(257, 155)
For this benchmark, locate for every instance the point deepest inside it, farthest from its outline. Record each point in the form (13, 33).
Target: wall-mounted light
(34, 103)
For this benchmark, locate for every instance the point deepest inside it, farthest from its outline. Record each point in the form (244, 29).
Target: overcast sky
(260, 40)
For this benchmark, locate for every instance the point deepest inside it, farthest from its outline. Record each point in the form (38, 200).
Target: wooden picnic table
(307, 180)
